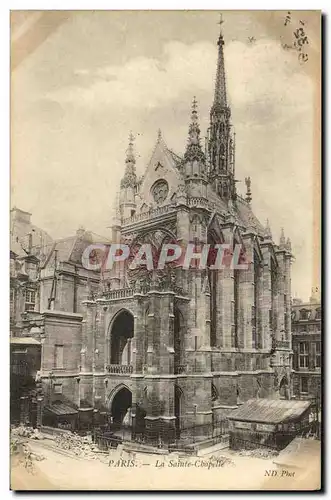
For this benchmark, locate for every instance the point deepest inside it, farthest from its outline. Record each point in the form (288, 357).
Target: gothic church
(174, 348)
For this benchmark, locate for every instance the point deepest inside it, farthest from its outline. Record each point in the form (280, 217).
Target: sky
(89, 78)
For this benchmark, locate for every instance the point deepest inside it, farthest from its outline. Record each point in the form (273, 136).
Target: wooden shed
(260, 423)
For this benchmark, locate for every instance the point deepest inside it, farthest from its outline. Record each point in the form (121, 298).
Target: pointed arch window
(195, 225)
(273, 271)
(214, 393)
(256, 334)
(212, 279)
(236, 285)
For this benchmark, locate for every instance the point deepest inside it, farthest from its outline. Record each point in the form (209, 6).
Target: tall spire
(221, 140)
(130, 178)
(288, 245)
(282, 240)
(248, 192)
(193, 149)
(267, 231)
(129, 152)
(220, 85)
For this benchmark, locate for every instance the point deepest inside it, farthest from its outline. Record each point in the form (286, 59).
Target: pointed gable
(161, 178)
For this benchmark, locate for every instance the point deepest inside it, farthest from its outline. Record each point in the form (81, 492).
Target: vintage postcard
(165, 308)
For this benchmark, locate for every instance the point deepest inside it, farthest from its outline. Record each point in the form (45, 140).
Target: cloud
(261, 75)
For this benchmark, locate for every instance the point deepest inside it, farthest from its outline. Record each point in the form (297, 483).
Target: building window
(160, 190)
(12, 301)
(58, 361)
(304, 385)
(304, 314)
(57, 388)
(303, 354)
(270, 319)
(235, 330)
(214, 393)
(318, 314)
(30, 300)
(20, 367)
(254, 339)
(317, 354)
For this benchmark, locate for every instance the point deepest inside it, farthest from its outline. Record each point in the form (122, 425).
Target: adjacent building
(28, 247)
(47, 287)
(307, 349)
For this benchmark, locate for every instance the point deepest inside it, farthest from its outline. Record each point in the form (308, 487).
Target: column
(87, 335)
(288, 297)
(266, 302)
(153, 332)
(138, 343)
(99, 348)
(24, 410)
(280, 326)
(166, 332)
(246, 297)
(226, 295)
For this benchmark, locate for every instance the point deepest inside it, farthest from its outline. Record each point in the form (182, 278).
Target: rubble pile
(21, 453)
(25, 432)
(78, 445)
(258, 453)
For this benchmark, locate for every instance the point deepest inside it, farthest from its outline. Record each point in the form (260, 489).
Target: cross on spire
(220, 22)
(194, 150)
(129, 152)
(194, 110)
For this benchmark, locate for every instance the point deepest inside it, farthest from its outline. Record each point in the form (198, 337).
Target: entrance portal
(178, 410)
(178, 341)
(284, 389)
(121, 334)
(120, 408)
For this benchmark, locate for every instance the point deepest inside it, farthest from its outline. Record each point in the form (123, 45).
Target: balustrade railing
(197, 201)
(119, 293)
(150, 214)
(180, 369)
(282, 344)
(126, 369)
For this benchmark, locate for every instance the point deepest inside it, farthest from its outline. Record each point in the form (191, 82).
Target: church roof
(70, 249)
(177, 159)
(269, 411)
(22, 230)
(241, 210)
(247, 216)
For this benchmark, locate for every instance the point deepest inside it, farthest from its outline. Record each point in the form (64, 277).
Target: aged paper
(165, 309)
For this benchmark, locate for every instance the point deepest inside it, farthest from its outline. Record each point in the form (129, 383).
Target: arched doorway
(178, 341)
(121, 408)
(122, 331)
(178, 410)
(284, 389)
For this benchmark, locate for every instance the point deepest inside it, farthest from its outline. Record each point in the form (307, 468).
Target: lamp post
(195, 407)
